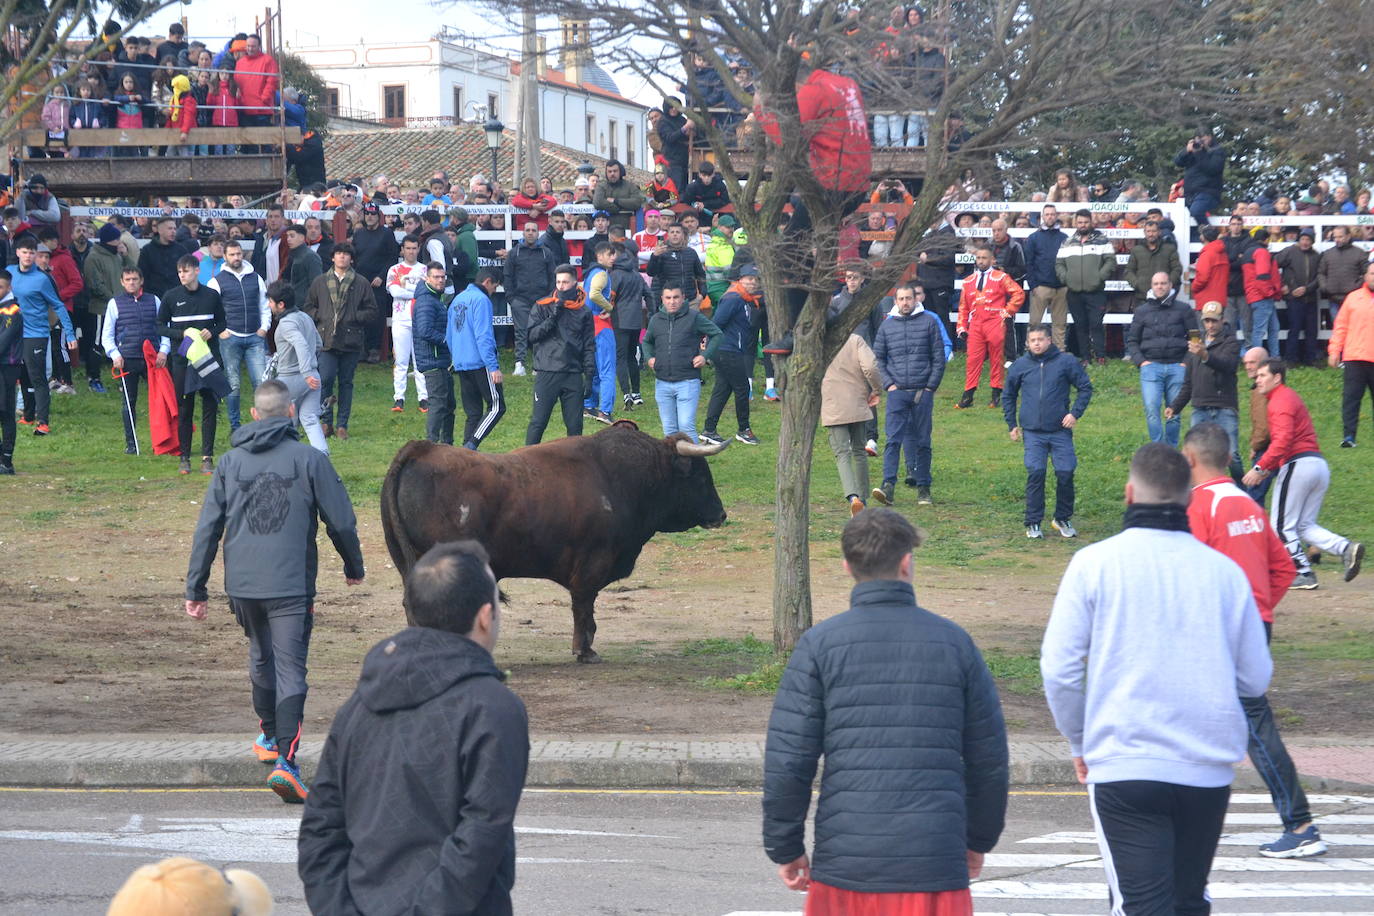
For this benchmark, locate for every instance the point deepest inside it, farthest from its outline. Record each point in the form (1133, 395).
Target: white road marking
(1038, 860)
(552, 831)
(1262, 864)
(1248, 799)
(135, 824)
(1053, 890)
(1268, 819)
(1227, 839)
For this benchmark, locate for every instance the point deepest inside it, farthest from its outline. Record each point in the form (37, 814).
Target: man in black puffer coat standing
(905, 710)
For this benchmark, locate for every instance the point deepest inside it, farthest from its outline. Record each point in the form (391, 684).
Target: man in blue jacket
(1049, 297)
(734, 360)
(433, 356)
(37, 295)
(905, 710)
(473, 345)
(911, 361)
(1043, 376)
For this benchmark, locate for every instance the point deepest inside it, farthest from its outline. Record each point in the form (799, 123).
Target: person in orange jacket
(989, 296)
(1352, 343)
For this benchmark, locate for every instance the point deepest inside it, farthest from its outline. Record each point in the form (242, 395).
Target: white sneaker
(519, 369)
(871, 448)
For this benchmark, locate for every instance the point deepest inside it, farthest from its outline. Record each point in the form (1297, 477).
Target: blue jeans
(908, 427)
(677, 406)
(236, 351)
(1159, 385)
(337, 366)
(1228, 420)
(1264, 325)
(1201, 204)
(603, 383)
(1041, 448)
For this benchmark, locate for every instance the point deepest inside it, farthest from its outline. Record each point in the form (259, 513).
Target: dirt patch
(93, 637)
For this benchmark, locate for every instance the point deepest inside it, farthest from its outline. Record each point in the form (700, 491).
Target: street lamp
(493, 129)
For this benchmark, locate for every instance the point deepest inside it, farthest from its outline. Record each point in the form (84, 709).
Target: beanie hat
(108, 234)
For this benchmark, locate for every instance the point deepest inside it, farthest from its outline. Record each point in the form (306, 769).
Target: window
(630, 145)
(394, 103)
(493, 105)
(613, 130)
(457, 103)
(590, 145)
(331, 100)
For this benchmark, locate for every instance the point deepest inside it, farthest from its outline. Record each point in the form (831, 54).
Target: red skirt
(824, 900)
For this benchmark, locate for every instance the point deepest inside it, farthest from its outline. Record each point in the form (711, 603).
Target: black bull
(575, 511)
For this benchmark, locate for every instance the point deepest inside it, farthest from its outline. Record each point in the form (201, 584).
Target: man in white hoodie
(1144, 666)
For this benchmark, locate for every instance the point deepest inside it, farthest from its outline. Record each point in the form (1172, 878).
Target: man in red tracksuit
(989, 297)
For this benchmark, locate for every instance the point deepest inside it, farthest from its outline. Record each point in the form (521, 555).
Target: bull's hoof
(589, 657)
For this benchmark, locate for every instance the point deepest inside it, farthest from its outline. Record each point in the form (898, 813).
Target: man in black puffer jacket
(906, 713)
(1157, 342)
(414, 803)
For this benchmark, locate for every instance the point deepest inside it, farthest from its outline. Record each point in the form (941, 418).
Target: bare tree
(37, 53)
(1018, 67)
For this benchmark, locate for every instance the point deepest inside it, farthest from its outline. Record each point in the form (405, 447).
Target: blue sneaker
(1295, 845)
(287, 783)
(96, 386)
(771, 394)
(265, 748)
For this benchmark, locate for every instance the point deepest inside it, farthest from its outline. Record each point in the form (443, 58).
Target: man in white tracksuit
(401, 281)
(1153, 640)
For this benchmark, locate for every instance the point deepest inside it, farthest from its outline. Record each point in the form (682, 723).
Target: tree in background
(37, 55)
(1024, 76)
(296, 72)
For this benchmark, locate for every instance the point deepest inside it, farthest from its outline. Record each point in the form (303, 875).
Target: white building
(438, 81)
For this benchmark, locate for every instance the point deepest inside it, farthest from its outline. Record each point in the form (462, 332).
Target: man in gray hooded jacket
(264, 501)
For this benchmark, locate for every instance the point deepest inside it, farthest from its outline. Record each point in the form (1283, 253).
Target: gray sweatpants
(307, 401)
(278, 631)
(1299, 488)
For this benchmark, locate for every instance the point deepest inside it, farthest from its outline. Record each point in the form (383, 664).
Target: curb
(610, 761)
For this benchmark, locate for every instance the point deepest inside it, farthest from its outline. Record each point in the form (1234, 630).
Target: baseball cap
(180, 885)
(1212, 310)
(458, 214)
(600, 213)
(371, 207)
(748, 270)
(651, 213)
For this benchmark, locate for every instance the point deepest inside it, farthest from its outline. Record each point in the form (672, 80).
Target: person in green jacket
(720, 257)
(465, 263)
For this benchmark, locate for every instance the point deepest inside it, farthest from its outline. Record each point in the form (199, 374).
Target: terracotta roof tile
(411, 156)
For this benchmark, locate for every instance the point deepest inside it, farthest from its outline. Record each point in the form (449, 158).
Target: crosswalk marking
(1227, 839)
(1219, 864)
(1269, 818)
(1250, 799)
(1056, 890)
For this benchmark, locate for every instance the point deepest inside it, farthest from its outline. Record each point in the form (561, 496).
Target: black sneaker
(923, 496)
(966, 401)
(424, 405)
(884, 494)
(398, 405)
(711, 438)
(131, 449)
(910, 480)
(628, 401)
(1348, 442)
(184, 466)
(638, 401)
(1352, 557)
(6, 465)
(207, 465)
(601, 416)
(747, 437)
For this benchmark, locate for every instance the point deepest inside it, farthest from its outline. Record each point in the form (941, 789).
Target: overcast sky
(349, 22)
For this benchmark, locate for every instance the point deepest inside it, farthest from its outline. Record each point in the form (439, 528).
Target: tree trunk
(792, 512)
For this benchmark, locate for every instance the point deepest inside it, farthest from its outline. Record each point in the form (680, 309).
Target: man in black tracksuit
(562, 339)
(435, 686)
(529, 277)
(374, 251)
(158, 259)
(191, 305)
(631, 298)
(264, 499)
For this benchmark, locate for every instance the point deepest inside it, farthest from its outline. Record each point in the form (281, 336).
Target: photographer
(1203, 163)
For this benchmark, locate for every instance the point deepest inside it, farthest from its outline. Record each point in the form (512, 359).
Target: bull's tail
(403, 551)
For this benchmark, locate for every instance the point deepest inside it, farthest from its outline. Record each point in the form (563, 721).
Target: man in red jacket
(989, 297)
(832, 114)
(1303, 476)
(1212, 271)
(1262, 288)
(1224, 518)
(255, 74)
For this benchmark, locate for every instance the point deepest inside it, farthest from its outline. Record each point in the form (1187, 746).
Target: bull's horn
(696, 450)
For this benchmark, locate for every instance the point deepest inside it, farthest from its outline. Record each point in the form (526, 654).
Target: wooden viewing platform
(171, 175)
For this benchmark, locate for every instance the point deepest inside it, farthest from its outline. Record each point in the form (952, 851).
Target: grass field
(694, 618)
(978, 476)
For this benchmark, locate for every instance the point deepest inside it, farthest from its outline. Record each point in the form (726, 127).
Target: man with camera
(1209, 379)
(1203, 163)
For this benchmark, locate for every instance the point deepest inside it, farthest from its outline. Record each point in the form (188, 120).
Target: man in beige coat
(850, 390)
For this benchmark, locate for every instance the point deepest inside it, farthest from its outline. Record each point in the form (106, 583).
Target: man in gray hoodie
(265, 499)
(1155, 732)
(298, 347)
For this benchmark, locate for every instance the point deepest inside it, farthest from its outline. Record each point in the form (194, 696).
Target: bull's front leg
(584, 626)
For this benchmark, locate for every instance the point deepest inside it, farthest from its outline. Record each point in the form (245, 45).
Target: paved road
(645, 851)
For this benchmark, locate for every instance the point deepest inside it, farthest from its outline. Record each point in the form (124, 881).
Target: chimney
(541, 56)
(576, 49)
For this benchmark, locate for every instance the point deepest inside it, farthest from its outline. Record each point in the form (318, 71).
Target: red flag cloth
(824, 900)
(162, 405)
